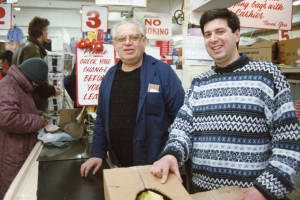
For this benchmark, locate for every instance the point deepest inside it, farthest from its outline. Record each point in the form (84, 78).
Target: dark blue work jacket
(156, 112)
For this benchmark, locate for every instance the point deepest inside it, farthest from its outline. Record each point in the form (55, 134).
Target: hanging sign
(158, 25)
(138, 3)
(284, 35)
(93, 17)
(5, 16)
(92, 65)
(265, 14)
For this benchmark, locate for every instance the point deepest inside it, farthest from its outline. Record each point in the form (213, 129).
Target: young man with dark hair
(5, 63)
(238, 121)
(38, 31)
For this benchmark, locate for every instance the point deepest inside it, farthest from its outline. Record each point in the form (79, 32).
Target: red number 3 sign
(93, 17)
(5, 16)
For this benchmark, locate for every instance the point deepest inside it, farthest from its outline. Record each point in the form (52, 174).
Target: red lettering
(89, 78)
(157, 22)
(93, 87)
(91, 96)
(157, 31)
(148, 22)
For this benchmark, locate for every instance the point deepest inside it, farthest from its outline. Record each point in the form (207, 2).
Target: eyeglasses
(133, 38)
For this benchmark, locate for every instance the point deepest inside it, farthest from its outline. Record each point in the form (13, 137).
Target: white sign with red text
(91, 67)
(5, 16)
(284, 35)
(93, 17)
(158, 25)
(265, 14)
(139, 3)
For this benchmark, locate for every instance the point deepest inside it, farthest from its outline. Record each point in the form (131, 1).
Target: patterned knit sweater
(240, 127)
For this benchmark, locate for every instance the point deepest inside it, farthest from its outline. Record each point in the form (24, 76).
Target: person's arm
(46, 90)
(277, 180)
(11, 118)
(179, 145)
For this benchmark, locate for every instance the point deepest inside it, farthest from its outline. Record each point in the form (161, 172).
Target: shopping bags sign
(91, 68)
(263, 14)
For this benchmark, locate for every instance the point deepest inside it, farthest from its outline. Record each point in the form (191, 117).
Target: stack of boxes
(60, 65)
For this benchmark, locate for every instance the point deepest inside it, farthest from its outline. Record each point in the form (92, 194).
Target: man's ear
(237, 35)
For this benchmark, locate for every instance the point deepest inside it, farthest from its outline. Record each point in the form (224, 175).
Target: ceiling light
(17, 8)
(115, 16)
(177, 38)
(295, 3)
(80, 11)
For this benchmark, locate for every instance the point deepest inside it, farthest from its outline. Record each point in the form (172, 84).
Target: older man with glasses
(138, 100)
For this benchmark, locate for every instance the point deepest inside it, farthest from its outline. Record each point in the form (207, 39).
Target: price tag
(5, 16)
(284, 35)
(94, 17)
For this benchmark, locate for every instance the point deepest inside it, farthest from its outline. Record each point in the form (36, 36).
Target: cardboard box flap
(226, 193)
(265, 50)
(168, 189)
(264, 44)
(127, 183)
(119, 189)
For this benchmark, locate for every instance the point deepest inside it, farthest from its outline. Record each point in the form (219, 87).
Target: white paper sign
(5, 16)
(158, 25)
(91, 68)
(93, 17)
(139, 3)
(284, 35)
(265, 14)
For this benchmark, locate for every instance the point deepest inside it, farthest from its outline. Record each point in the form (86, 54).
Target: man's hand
(57, 91)
(162, 167)
(251, 193)
(92, 162)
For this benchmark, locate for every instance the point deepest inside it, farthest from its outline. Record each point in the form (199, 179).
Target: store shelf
(290, 69)
(202, 6)
(293, 81)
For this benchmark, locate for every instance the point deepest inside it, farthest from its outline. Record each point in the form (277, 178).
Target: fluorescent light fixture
(80, 11)
(17, 8)
(295, 3)
(115, 16)
(177, 38)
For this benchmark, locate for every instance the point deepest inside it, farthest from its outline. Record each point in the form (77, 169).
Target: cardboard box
(289, 51)
(227, 193)
(265, 50)
(127, 183)
(71, 114)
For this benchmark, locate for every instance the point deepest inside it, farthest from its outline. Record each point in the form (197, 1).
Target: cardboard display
(127, 183)
(289, 50)
(227, 193)
(71, 114)
(264, 51)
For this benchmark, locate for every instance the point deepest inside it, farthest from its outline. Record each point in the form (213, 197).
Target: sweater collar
(240, 62)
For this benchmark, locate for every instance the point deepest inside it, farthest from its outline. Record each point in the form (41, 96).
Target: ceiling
(157, 6)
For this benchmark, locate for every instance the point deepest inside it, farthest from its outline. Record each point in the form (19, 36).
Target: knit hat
(35, 69)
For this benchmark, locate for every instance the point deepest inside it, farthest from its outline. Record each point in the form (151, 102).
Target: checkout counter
(54, 173)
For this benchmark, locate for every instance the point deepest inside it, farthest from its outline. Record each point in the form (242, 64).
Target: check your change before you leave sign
(265, 14)
(91, 68)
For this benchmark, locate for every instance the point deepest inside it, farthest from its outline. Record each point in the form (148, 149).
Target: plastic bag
(54, 137)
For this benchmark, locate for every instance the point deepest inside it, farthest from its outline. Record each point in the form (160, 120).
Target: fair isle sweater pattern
(240, 127)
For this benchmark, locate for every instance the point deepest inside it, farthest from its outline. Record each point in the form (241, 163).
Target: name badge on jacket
(153, 88)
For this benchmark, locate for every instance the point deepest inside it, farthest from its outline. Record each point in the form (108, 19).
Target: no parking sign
(5, 16)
